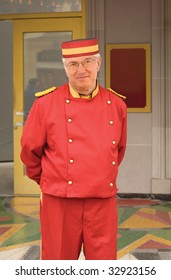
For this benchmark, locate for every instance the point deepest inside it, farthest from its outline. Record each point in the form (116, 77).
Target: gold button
(111, 184)
(113, 162)
(111, 122)
(69, 120)
(71, 161)
(70, 140)
(113, 142)
(69, 182)
(67, 101)
(109, 102)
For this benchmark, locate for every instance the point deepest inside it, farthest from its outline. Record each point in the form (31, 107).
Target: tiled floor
(144, 229)
(144, 226)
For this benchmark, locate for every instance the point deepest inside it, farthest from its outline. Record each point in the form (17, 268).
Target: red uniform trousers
(67, 223)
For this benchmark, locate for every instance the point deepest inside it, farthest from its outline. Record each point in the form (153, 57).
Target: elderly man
(72, 144)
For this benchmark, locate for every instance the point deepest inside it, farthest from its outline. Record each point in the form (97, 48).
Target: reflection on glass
(39, 6)
(43, 66)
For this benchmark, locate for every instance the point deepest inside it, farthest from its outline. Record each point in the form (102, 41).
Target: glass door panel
(43, 67)
(39, 6)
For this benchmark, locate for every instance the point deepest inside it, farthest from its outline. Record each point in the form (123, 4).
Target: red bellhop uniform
(72, 147)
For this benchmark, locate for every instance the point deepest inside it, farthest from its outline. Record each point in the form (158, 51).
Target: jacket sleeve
(123, 139)
(33, 141)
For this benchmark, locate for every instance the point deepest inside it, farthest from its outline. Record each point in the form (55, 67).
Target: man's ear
(99, 62)
(65, 69)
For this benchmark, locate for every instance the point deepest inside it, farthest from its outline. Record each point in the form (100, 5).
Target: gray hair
(96, 56)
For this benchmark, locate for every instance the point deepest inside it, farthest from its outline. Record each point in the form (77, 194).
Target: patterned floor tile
(144, 228)
(13, 254)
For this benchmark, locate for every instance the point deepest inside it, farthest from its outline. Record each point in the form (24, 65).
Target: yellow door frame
(22, 184)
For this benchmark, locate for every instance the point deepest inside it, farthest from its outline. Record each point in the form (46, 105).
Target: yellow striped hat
(80, 47)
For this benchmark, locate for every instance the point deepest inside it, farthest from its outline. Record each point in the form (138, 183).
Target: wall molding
(161, 96)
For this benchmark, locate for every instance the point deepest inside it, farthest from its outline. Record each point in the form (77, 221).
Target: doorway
(37, 66)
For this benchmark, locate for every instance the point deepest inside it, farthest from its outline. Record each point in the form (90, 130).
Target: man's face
(82, 72)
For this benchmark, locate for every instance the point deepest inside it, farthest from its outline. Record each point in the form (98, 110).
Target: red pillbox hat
(81, 47)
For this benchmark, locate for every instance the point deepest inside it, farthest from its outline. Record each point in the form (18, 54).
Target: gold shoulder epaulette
(120, 95)
(44, 92)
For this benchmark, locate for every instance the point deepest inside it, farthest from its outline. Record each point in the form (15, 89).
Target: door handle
(18, 124)
(21, 113)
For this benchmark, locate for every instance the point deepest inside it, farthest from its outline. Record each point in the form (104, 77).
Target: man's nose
(80, 66)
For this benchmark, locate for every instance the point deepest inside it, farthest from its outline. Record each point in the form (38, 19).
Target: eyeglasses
(74, 65)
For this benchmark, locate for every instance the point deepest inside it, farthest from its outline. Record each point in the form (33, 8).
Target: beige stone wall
(147, 164)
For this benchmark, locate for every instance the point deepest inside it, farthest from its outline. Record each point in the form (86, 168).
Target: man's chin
(83, 87)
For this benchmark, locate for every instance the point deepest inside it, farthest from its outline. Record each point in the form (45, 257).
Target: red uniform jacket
(71, 146)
